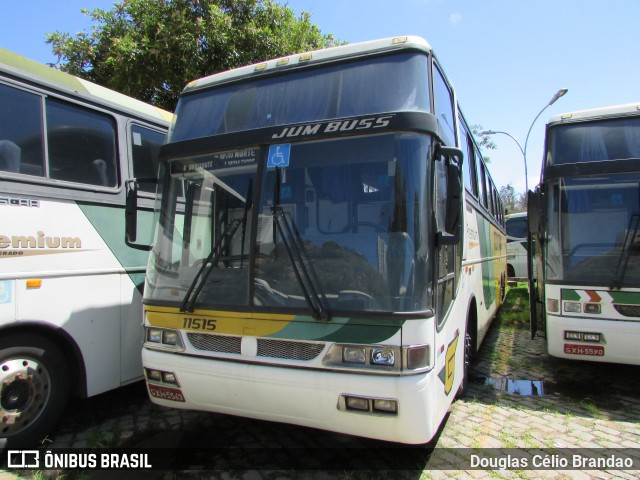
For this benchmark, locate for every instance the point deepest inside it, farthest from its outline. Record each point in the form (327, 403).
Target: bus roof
(596, 113)
(313, 57)
(26, 69)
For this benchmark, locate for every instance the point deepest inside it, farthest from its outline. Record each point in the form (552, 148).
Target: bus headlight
(378, 358)
(353, 354)
(383, 356)
(164, 339)
(572, 307)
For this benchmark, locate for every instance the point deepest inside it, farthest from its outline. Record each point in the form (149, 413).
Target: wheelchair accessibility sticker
(5, 291)
(279, 155)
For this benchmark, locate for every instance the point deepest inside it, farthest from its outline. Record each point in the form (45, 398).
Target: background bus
(586, 213)
(330, 268)
(517, 229)
(70, 289)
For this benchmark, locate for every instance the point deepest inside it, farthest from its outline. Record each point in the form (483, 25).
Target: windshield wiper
(302, 268)
(623, 259)
(216, 252)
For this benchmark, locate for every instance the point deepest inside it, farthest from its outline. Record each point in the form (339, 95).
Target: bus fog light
(552, 305)
(353, 354)
(357, 403)
(417, 357)
(154, 335)
(383, 356)
(386, 406)
(572, 307)
(592, 308)
(169, 377)
(154, 375)
(591, 337)
(572, 336)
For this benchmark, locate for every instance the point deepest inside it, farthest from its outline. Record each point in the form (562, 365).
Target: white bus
(70, 289)
(329, 268)
(517, 230)
(586, 216)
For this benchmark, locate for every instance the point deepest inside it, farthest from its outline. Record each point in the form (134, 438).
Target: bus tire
(34, 387)
(468, 354)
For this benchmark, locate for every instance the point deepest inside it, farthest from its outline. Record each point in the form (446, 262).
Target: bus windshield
(594, 141)
(373, 85)
(592, 229)
(353, 207)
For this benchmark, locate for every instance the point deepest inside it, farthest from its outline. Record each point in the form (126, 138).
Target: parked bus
(328, 268)
(70, 289)
(517, 230)
(586, 215)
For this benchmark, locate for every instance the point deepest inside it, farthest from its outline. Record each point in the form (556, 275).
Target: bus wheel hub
(24, 391)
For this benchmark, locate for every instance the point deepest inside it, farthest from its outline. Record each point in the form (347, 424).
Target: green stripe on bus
(109, 223)
(626, 298)
(571, 295)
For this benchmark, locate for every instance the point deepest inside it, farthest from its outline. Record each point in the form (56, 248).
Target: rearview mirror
(131, 212)
(449, 230)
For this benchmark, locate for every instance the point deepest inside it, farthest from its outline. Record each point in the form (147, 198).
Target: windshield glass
(594, 141)
(373, 85)
(592, 229)
(355, 209)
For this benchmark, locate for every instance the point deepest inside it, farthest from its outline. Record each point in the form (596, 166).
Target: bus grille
(215, 343)
(271, 348)
(288, 350)
(628, 310)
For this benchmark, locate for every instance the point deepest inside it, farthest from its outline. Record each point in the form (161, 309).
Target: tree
(484, 141)
(513, 201)
(150, 49)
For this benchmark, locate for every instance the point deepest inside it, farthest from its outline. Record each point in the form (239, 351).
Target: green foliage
(150, 49)
(513, 201)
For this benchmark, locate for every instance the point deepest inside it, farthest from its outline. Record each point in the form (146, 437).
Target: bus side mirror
(535, 210)
(450, 234)
(131, 212)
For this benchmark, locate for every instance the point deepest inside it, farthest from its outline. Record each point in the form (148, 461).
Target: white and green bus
(517, 230)
(70, 288)
(586, 216)
(339, 252)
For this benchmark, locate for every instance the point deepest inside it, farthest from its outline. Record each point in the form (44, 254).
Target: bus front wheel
(34, 387)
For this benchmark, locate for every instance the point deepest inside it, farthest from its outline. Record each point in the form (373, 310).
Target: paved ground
(519, 398)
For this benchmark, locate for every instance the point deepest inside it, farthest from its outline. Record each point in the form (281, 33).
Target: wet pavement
(519, 400)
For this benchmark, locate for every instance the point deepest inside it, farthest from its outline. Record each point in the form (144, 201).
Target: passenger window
(81, 145)
(21, 142)
(483, 185)
(145, 146)
(444, 107)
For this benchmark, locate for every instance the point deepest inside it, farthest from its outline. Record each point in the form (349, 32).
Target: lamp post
(553, 100)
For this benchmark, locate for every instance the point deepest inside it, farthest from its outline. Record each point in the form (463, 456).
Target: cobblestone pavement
(519, 397)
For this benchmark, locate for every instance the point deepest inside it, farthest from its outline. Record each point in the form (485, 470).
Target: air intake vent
(628, 310)
(215, 343)
(288, 350)
(269, 348)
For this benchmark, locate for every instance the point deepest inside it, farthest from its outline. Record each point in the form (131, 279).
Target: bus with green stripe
(340, 250)
(70, 288)
(585, 214)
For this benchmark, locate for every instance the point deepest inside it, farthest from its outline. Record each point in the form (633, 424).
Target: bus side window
(20, 131)
(81, 145)
(444, 107)
(483, 183)
(145, 145)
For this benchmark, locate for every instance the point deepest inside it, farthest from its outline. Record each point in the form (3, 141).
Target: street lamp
(553, 100)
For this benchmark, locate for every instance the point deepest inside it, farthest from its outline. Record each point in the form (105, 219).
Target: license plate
(166, 393)
(590, 350)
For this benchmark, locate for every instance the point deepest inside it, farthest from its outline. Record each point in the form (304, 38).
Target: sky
(505, 58)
